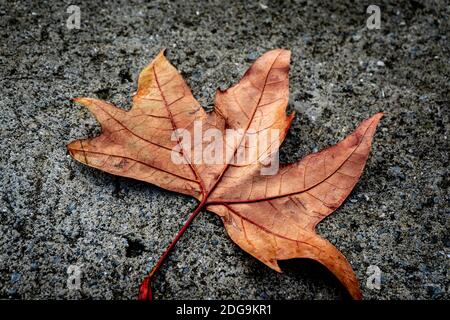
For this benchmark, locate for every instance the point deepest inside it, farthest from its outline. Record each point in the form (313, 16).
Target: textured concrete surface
(55, 212)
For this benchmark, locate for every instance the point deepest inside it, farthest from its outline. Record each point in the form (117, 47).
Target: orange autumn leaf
(271, 216)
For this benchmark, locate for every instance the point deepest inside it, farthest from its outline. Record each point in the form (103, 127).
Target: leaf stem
(145, 290)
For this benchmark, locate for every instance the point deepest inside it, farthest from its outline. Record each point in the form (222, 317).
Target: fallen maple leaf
(272, 217)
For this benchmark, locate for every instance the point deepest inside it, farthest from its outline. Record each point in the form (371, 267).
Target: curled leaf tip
(82, 100)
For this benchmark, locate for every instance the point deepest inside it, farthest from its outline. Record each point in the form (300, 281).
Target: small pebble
(356, 37)
(263, 6)
(252, 56)
(15, 277)
(71, 207)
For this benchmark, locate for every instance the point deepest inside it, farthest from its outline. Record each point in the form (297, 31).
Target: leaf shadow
(315, 274)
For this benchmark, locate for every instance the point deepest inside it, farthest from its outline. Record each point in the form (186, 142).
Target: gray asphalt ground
(55, 212)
